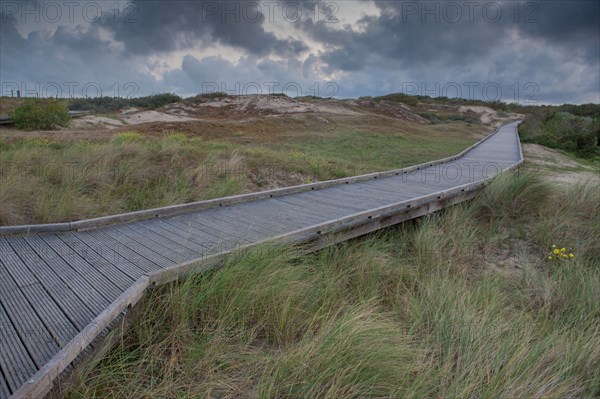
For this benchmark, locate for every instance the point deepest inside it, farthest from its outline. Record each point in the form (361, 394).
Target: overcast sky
(528, 51)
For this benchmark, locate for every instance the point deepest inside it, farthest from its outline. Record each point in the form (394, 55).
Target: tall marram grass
(46, 181)
(60, 178)
(459, 304)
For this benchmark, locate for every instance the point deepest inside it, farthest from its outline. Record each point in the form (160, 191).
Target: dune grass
(49, 179)
(459, 304)
(44, 181)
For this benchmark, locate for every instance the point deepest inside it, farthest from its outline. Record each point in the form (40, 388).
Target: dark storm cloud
(562, 20)
(160, 26)
(69, 61)
(415, 33)
(574, 25)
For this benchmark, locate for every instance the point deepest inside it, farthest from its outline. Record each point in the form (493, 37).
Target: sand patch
(153, 116)
(95, 122)
(558, 167)
(488, 115)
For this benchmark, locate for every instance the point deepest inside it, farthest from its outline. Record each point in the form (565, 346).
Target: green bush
(99, 104)
(114, 104)
(36, 114)
(577, 134)
(400, 98)
(155, 101)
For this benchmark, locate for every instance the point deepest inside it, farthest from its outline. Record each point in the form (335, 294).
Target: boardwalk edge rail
(88, 224)
(319, 235)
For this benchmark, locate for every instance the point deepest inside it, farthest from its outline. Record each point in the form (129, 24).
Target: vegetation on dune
(563, 130)
(458, 304)
(40, 114)
(45, 180)
(400, 98)
(204, 97)
(48, 181)
(114, 104)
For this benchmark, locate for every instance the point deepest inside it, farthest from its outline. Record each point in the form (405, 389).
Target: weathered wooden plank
(278, 211)
(414, 189)
(190, 232)
(180, 238)
(261, 218)
(108, 286)
(57, 323)
(115, 252)
(261, 229)
(76, 271)
(21, 274)
(95, 268)
(58, 274)
(310, 206)
(41, 382)
(317, 197)
(356, 199)
(128, 247)
(4, 391)
(322, 203)
(365, 192)
(33, 333)
(64, 296)
(315, 214)
(59, 326)
(189, 223)
(240, 228)
(269, 217)
(184, 252)
(123, 277)
(16, 363)
(391, 192)
(159, 246)
(242, 233)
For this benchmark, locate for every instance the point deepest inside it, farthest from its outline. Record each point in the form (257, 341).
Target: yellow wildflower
(549, 257)
(562, 249)
(571, 255)
(556, 251)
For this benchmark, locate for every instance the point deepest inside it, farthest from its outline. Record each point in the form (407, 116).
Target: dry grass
(65, 176)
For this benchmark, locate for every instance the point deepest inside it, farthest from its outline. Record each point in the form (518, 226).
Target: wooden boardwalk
(60, 287)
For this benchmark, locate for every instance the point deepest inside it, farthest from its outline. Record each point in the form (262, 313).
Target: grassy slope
(460, 304)
(66, 176)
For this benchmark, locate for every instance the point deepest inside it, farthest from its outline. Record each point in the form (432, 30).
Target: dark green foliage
(554, 128)
(36, 114)
(155, 101)
(202, 98)
(400, 98)
(591, 110)
(437, 118)
(113, 104)
(98, 104)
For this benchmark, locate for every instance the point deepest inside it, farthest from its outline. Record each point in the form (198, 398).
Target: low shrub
(35, 114)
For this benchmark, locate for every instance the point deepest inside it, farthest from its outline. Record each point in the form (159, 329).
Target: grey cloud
(411, 36)
(160, 26)
(75, 56)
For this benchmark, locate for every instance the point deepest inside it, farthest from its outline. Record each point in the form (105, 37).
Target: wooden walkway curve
(62, 285)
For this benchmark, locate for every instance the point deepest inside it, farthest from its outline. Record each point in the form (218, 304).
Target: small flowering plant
(557, 254)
